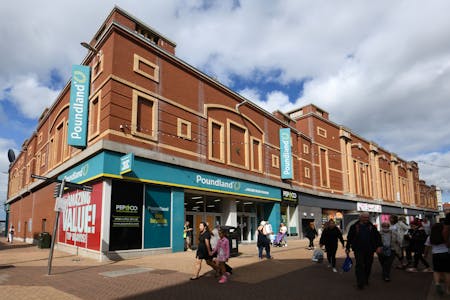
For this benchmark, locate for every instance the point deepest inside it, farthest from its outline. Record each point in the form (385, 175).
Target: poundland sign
(79, 105)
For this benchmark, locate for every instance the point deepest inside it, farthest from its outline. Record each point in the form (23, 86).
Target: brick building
(166, 143)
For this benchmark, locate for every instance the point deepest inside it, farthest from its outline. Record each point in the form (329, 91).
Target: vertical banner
(285, 153)
(79, 106)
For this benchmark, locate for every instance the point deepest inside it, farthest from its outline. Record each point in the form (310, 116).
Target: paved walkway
(290, 275)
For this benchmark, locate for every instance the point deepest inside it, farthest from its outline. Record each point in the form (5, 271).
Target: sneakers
(329, 266)
(334, 270)
(223, 279)
(411, 270)
(428, 270)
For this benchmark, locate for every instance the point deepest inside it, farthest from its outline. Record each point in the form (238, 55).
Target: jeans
(311, 244)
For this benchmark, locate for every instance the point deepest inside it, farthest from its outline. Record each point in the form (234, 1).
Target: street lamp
(89, 47)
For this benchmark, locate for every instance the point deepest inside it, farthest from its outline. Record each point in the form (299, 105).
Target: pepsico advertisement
(80, 222)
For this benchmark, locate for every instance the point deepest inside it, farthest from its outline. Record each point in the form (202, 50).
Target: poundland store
(139, 205)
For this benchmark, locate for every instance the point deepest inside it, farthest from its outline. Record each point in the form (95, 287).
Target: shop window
(94, 116)
(146, 68)
(216, 141)
(144, 116)
(321, 132)
(184, 129)
(237, 145)
(256, 154)
(275, 161)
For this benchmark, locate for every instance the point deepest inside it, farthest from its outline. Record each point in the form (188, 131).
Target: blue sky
(379, 68)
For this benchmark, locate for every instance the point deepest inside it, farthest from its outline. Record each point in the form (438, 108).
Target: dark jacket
(418, 238)
(311, 232)
(330, 237)
(365, 238)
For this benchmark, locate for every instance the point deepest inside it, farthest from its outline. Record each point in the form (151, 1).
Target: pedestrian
(399, 227)
(389, 240)
(364, 239)
(204, 251)
(222, 250)
(329, 238)
(283, 231)
(187, 234)
(441, 258)
(214, 235)
(263, 241)
(417, 244)
(426, 226)
(311, 234)
(11, 234)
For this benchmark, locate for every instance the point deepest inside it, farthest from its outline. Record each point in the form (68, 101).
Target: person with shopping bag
(364, 239)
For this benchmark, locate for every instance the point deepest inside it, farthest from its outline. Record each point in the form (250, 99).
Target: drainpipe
(239, 104)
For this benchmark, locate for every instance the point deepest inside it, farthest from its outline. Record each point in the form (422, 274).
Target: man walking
(364, 239)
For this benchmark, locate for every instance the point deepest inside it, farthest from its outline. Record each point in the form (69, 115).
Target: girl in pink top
(223, 253)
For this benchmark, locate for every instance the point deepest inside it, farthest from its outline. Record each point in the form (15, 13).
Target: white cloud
(31, 97)
(381, 68)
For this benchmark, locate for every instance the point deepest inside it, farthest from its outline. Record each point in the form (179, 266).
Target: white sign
(361, 206)
(60, 204)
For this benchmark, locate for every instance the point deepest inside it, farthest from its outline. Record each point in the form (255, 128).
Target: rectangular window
(94, 117)
(216, 141)
(275, 161)
(324, 167)
(144, 116)
(146, 68)
(97, 68)
(307, 172)
(237, 145)
(59, 143)
(184, 129)
(306, 149)
(256, 154)
(321, 132)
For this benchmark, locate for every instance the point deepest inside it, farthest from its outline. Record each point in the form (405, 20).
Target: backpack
(317, 256)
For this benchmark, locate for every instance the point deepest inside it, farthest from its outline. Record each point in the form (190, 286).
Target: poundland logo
(217, 182)
(79, 100)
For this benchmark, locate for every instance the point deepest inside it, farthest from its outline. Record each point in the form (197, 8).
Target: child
(223, 253)
(441, 258)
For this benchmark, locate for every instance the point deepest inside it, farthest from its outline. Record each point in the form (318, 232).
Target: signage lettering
(285, 153)
(79, 105)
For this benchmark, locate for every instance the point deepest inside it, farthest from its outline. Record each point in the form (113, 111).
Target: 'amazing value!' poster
(80, 221)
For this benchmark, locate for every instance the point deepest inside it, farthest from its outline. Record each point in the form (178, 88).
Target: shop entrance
(247, 226)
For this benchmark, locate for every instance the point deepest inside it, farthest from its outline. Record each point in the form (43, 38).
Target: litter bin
(44, 240)
(233, 238)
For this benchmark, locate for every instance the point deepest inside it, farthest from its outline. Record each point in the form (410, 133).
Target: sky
(380, 68)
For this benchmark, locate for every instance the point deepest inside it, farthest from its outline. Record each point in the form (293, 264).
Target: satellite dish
(11, 156)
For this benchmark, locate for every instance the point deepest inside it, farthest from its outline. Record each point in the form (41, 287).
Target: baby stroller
(279, 240)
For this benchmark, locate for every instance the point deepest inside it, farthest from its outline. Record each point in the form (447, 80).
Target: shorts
(441, 262)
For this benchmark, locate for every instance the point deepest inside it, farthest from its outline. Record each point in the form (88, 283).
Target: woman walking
(330, 237)
(441, 258)
(391, 247)
(263, 241)
(204, 251)
(311, 234)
